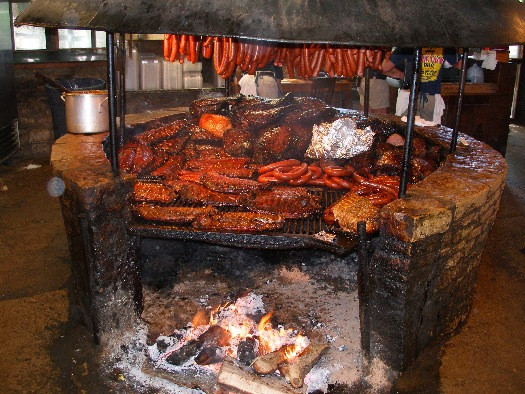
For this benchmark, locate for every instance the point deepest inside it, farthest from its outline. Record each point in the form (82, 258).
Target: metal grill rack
(296, 234)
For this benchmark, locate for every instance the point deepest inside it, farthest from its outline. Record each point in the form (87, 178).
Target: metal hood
(464, 23)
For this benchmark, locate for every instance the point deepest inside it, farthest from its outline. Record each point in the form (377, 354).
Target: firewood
(209, 355)
(298, 368)
(215, 336)
(269, 362)
(246, 351)
(234, 378)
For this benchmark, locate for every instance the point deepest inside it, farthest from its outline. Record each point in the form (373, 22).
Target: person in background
(379, 93)
(265, 83)
(430, 104)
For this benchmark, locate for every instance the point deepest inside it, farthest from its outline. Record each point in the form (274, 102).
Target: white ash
(132, 357)
(320, 299)
(325, 236)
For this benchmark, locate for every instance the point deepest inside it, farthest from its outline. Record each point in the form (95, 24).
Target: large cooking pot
(86, 111)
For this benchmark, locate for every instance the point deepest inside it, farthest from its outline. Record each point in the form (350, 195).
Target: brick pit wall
(34, 115)
(422, 270)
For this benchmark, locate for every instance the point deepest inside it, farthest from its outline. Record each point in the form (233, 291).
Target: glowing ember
(300, 344)
(236, 319)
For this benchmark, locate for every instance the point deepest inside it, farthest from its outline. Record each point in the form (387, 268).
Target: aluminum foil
(339, 140)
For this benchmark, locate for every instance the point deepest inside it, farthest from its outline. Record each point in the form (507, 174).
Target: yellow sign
(431, 62)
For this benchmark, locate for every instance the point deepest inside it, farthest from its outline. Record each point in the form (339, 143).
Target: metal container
(86, 111)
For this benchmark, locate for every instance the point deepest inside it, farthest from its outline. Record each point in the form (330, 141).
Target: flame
(234, 319)
(292, 351)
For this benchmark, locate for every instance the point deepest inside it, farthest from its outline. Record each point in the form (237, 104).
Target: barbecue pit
(418, 286)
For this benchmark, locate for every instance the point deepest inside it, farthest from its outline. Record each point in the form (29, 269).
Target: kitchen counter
(485, 113)
(450, 88)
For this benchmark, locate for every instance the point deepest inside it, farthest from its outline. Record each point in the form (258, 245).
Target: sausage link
(361, 63)
(241, 52)
(253, 65)
(302, 179)
(379, 199)
(342, 182)
(267, 177)
(207, 50)
(167, 46)
(217, 50)
(182, 44)
(318, 63)
(191, 43)
(224, 56)
(307, 64)
(296, 172)
(316, 182)
(351, 61)
(283, 163)
(328, 65)
(316, 171)
(377, 59)
(174, 47)
(346, 65)
(375, 185)
(208, 41)
(336, 171)
(338, 62)
(330, 183)
(289, 63)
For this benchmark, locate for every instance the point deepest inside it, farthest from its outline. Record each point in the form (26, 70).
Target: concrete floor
(44, 349)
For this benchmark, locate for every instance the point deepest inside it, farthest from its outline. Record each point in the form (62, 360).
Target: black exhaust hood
(465, 23)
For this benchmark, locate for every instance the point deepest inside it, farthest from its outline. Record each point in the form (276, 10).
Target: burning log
(298, 368)
(246, 351)
(209, 355)
(233, 377)
(215, 336)
(269, 362)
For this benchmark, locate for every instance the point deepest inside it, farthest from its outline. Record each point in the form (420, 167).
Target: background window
(68, 38)
(27, 37)
(100, 38)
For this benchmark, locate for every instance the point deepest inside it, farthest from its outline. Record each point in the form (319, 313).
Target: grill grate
(296, 233)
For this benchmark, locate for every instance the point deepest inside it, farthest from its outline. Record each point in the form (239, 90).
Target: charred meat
(239, 221)
(153, 136)
(290, 202)
(174, 215)
(226, 184)
(153, 192)
(170, 168)
(350, 210)
(135, 158)
(195, 193)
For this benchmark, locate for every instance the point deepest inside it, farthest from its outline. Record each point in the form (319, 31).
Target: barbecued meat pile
(249, 153)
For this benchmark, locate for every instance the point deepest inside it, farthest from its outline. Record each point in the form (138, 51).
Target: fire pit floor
(316, 295)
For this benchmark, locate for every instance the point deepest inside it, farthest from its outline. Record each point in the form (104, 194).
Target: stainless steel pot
(86, 111)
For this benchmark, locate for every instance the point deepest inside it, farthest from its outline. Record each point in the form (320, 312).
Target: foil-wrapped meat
(341, 139)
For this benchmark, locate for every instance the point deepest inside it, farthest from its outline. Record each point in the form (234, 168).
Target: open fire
(242, 331)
